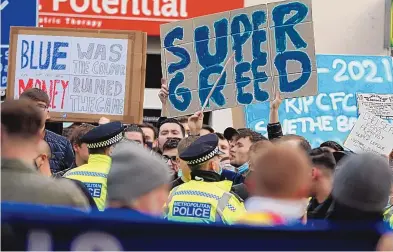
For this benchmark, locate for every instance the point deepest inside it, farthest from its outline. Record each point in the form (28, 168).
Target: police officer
(93, 175)
(204, 199)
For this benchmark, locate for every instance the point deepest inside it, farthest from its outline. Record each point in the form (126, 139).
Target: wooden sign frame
(135, 70)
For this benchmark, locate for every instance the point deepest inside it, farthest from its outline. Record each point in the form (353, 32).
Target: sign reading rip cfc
(273, 46)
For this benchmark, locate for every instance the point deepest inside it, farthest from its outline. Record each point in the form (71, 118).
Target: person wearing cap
(137, 180)
(204, 199)
(361, 189)
(100, 142)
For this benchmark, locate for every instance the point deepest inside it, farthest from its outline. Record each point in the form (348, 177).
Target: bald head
(282, 171)
(43, 148)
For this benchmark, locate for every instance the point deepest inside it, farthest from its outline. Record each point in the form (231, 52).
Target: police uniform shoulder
(236, 196)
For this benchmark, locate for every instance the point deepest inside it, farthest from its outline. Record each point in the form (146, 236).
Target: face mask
(180, 173)
(226, 166)
(242, 169)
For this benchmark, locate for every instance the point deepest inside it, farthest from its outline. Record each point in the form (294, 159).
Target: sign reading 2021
(272, 45)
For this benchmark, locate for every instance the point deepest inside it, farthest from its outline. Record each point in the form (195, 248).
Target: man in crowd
(21, 128)
(239, 153)
(137, 180)
(100, 142)
(361, 187)
(282, 184)
(184, 174)
(169, 128)
(223, 145)
(151, 135)
(206, 129)
(171, 155)
(322, 182)
(62, 154)
(204, 199)
(41, 162)
(134, 133)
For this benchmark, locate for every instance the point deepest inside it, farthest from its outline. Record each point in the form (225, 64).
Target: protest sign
(273, 44)
(13, 15)
(371, 134)
(87, 74)
(378, 104)
(332, 113)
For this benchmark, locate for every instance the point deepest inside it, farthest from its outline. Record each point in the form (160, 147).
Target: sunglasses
(166, 158)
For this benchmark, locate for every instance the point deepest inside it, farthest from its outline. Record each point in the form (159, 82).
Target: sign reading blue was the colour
(332, 113)
(14, 13)
(264, 46)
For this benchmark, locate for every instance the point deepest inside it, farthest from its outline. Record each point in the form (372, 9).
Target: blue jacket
(62, 153)
(235, 177)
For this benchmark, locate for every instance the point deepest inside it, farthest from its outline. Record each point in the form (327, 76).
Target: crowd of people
(184, 171)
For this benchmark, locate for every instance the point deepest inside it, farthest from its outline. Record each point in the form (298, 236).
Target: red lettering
(23, 86)
(53, 83)
(64, 84)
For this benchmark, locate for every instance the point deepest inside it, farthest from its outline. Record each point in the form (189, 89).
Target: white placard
(378, 104)
(80, 75)
(371, 134)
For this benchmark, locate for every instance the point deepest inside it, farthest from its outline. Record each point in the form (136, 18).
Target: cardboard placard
(273, 45)
(87, 74)
(371, 134)
(378, 104)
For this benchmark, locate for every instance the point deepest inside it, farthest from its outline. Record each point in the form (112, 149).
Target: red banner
(145, 15)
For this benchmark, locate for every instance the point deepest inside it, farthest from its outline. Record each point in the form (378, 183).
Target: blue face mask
(179, 173)
(243, 169)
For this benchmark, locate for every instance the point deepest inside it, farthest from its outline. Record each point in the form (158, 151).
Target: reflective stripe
(166, 210)
(204, 194)
(86, 173)
(222, 203)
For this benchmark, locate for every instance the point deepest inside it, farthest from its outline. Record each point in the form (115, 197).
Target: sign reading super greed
(145, 15)
(273, 49)
(86, 74)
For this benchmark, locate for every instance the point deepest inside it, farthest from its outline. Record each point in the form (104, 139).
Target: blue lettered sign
(332, 113)
(264, 46)
(14, 13)
(191, 209)
(94, 189)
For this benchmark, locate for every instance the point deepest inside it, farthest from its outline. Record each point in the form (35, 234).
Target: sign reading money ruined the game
(263, 46)
(86, 74)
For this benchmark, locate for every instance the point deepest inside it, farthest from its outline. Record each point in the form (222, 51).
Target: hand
(163, 94)
(103, 120)
(275, 104)
(195, 123)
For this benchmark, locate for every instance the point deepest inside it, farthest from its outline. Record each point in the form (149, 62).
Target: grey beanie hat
(363, 182)
(135, 172)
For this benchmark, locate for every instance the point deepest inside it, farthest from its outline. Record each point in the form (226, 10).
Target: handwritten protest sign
(332, 113)
(87, 74)
(378, 104)
(273, 44)
(371, 134)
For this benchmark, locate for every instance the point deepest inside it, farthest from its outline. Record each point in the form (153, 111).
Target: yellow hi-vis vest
(204, 202)
(94, 176)
(388, 216)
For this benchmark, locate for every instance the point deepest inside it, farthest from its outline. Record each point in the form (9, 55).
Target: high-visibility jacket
(94, 176)
(204, 202)
(388, 216)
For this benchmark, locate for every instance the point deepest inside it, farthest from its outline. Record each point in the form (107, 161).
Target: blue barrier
(32, 227)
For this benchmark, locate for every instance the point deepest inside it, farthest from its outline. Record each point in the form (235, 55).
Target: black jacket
(318, 211)
(241, 191)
